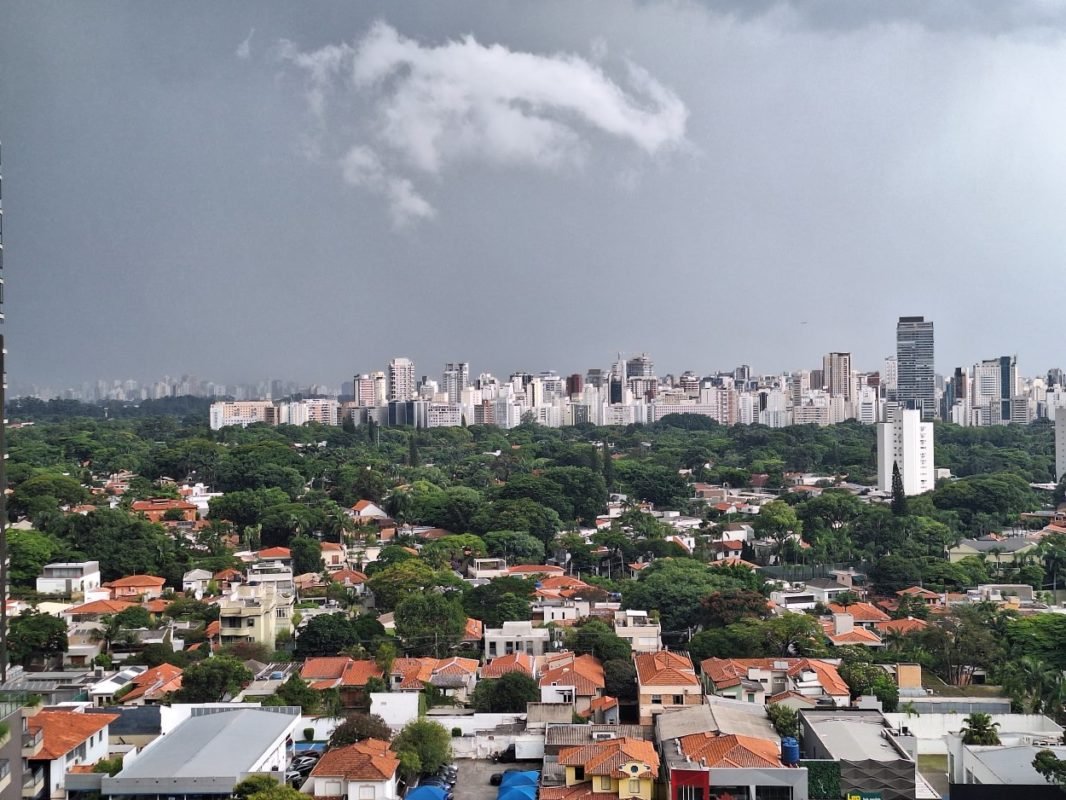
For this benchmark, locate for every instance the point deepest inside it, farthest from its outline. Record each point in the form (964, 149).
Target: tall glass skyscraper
(916, 376)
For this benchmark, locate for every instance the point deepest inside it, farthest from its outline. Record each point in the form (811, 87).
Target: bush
(457, 733)
(309, 734)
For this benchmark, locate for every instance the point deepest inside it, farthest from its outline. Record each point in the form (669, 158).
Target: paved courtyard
(472, 782)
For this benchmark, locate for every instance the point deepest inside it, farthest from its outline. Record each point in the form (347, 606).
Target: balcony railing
(31, 742)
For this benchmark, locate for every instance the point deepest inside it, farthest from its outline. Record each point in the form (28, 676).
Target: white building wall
(908, 442)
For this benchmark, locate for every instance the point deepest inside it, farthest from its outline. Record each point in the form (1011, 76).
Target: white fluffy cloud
(400, 110)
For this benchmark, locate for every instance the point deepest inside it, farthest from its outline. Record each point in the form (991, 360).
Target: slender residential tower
(3, 448)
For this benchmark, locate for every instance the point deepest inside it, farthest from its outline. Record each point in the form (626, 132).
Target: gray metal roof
(582, 734)
(851, 735)
(1014, 765)
(219, 746)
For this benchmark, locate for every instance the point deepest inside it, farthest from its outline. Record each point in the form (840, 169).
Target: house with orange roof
(351, 579)
(577, 680)
(135, 587)
(602, 711)
(766, 680)
(515, 662)
(151, 686)
(334, 556)
(474, 632)
(455, 677)
(665, 680)
(865, 615)
(155, 509)
(930, 598)
(67, 739)
(841, 630)
(613, 768)
(95, 610)
(901, 627)
(281, 555)
(535, 570)
(324, 672)
(366, 512)
(353, 683)
(366, 769)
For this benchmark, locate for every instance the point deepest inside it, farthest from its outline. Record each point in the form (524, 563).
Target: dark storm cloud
(834, 163)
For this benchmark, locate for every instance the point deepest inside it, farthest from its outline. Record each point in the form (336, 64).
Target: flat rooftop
(214, 745)
(853, 736)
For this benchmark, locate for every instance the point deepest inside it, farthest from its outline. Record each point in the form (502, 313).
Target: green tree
(428, 741)
(430, 623)
(212, 680)
(29, 552)
(32, 636)
(278, 792)
(507, 694)
(134, 617)
(778, 522)
(516, 547)
(501, 599)
(727, 606)
(979, 729)
(253, 784)
(325, 635)
(359, 726)
(407, 578)
(676, 587)
(1051, 767)
(455, 550)
(598, 639)
(784, 719)
(899, 496)
(620, 679)
(306, 555)
(296, 692)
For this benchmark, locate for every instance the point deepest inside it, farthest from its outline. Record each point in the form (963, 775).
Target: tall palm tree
(979, 728)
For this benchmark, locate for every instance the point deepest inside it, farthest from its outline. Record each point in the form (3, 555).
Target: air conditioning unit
(600, 736)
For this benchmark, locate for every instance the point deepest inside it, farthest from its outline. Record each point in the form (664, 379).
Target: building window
(689, 793)
(773, 793)
(634, 787)
(579, 773)
(679, 699)
(605, 783)
(657, 699)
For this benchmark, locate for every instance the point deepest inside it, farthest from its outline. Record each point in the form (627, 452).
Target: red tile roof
(330, 667)
(584, 673)
(154, 684)
(369, 760)
(609, 756)
(350, 577)
(136, 582)
(65, 730)
(100, 607)
(726, 672)
(534, 569)
(902, 626)
(665, 668)
(730, 751)
(861, 612)
(513, 662)
(358, 673)
(855, 636)
(275, 552)
(474, 631)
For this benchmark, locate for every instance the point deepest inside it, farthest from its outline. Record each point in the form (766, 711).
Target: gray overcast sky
(245, 190)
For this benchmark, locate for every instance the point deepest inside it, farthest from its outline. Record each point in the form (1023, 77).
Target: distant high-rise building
(456, 377)
(1055, 378)
(906, 442)
(575, 385)
(836, 369)
(401, 377)
(995, 387)
(640, 367)
(916, 374)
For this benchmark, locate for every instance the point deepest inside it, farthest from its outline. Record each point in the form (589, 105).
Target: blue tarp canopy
(517, 793)
(426, 793)
(530, 778)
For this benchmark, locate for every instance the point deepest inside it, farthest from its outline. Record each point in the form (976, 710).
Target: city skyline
(740, 183)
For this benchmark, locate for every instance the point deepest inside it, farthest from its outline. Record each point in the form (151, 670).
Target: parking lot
(474, 775)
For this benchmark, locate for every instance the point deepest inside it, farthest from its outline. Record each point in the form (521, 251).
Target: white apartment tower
(456, 377)
(401, 380)
(908, 442)
(836, 367)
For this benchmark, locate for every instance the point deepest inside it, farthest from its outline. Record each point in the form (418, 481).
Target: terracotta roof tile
(357, 673)
(513, 662)
(861, 612)
(100, 607)
(154, 684)
(730, 751)
(369, 760)
(330, 667)
(65, 730)
(608, 757)
(136, 581)
(665, 668)
(902, 626)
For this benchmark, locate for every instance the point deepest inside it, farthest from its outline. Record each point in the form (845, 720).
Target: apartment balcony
(32, 784)
(32, 741)
(5, 775)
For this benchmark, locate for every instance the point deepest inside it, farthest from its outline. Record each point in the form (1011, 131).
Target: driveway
(472, 782)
